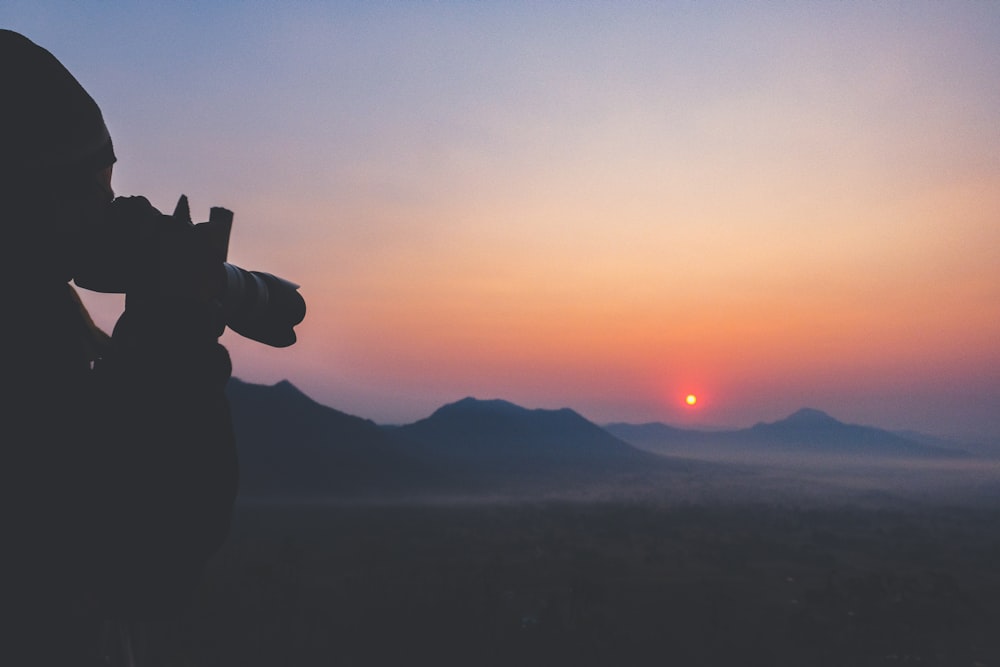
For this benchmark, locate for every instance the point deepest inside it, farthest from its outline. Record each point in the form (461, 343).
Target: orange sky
(587, 205)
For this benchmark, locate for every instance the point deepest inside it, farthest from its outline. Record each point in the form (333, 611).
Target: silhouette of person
(119, 467)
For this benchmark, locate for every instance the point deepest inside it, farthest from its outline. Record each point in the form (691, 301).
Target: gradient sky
(604, 205)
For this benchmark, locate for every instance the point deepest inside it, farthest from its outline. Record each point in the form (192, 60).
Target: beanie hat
(49, 125)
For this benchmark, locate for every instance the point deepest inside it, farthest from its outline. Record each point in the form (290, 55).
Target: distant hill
(813, 429)
(291, 446)
(496, 440)
(807, 431)
(498, 431)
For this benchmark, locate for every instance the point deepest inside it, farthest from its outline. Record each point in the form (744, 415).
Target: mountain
(497, 439)
(807, 431)
(816, 430)
(497, 430)
(290, 445)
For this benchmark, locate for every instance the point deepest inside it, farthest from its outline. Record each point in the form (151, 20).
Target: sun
(691, 399)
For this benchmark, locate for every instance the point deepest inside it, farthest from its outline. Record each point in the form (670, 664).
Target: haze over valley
(293, 447)
(493, 534)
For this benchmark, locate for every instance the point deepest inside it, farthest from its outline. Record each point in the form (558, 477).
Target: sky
(596, 205)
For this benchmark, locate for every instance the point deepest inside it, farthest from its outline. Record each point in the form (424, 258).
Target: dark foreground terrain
(602, 584)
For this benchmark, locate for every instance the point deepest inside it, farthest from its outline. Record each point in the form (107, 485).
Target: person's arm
(172, 465)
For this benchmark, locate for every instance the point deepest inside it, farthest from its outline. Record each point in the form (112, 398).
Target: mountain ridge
(804, 415)
(805, 431)
(291, 445)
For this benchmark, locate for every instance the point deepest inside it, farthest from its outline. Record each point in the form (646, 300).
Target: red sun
(690, 400)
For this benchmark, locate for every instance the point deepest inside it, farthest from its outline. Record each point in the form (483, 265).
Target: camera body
(138, 250)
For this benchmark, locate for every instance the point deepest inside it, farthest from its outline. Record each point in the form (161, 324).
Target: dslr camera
(127, 256)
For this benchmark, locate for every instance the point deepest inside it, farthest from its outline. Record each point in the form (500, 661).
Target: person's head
(56, 156)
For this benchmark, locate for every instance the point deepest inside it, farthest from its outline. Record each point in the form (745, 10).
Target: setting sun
(691, 399)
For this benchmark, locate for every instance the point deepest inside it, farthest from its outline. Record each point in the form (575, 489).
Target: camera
(126, 253)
